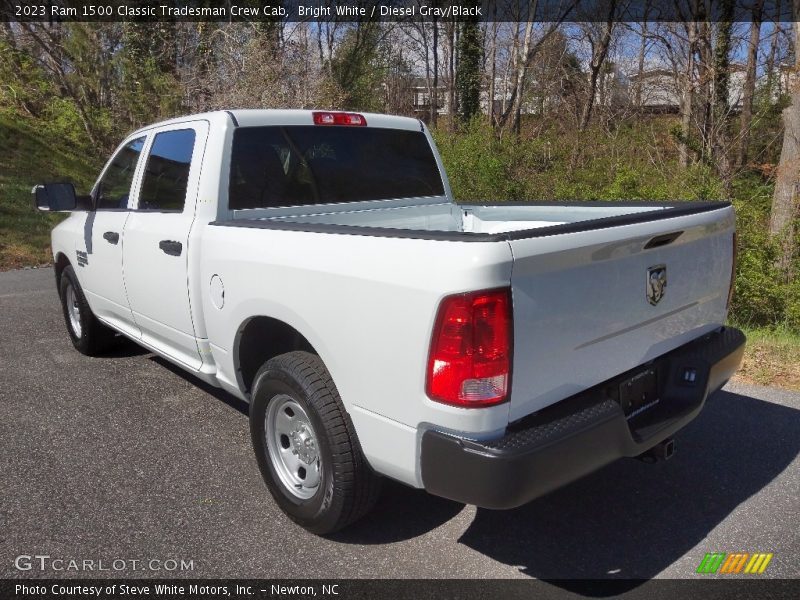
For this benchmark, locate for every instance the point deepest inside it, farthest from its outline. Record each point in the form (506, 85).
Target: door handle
(112, 237)
(171, 247)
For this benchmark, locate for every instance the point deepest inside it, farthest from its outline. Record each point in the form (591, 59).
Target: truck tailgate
(589, 305)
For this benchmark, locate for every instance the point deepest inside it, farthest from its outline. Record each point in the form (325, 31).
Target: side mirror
(55, 197)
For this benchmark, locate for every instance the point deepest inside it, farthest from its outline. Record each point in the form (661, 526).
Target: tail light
(470, 357)
(733, 270)
(339, 118)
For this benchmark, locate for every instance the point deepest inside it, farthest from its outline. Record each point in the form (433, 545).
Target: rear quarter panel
(367, 306)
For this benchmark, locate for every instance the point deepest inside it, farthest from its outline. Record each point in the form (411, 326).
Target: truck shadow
(632, 520)
(124, 348)
(217, 393)
(628, 521)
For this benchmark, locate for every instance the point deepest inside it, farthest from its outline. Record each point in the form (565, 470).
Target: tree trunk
(492, 66)
(468, 72)
(452, 111)
(434, 99)
(706, 69)
(786, 198)
(428, 80)
(720, 137)
(746, 117)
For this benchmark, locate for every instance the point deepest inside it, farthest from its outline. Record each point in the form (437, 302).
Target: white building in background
(660, 89)
(658, 92)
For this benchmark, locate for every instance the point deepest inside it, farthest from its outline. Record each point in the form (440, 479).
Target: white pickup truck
(316, 265)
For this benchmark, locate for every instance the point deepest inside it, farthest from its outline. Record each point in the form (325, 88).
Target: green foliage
(763, 296)
(482, 165)
(765, 145)
(617, 166)
(23, 84)
(30, 154)
(566, 165)
(356, 67)
(62, 121)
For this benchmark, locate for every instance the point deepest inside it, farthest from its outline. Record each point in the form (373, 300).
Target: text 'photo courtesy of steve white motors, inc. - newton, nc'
(177, 590)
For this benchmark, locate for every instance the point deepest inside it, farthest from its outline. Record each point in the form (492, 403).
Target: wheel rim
(292, 447)
(73, 310)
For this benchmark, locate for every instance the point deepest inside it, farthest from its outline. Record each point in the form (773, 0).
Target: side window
(115, 186)
(166, 174)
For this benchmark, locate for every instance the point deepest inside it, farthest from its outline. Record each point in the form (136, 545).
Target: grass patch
(31, 155)
(772, 358)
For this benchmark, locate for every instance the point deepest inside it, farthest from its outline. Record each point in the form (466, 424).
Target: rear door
(156, 240)
(593, 304)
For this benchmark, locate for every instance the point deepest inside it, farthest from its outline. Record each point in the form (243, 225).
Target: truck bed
(436, 218)
(579, 275)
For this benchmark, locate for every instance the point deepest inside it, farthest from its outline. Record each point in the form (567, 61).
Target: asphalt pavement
(126, 458)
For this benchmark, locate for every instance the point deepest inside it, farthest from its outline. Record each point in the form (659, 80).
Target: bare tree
(773, 51)
(599, 37)
(450, 45)
(525, 55)
(748, 92)
(637, 93)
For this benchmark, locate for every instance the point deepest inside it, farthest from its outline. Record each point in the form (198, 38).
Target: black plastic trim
(580, 434)
(171, 247)
(663, 240)
(233, 118)
(660, 212)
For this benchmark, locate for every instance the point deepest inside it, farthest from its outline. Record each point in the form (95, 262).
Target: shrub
(556, 165)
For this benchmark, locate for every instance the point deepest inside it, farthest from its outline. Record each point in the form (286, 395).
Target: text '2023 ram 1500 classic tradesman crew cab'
(316, 265)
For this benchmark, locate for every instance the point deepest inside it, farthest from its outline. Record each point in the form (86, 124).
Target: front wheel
(306, 446)
(88, 335)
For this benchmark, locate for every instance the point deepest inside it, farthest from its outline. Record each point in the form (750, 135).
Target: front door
(99, 253)
(155, 254)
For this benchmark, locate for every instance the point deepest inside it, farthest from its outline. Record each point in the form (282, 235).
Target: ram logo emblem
(656, 283)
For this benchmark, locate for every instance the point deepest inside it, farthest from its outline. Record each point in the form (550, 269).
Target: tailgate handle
(662, 240)
(170, 247)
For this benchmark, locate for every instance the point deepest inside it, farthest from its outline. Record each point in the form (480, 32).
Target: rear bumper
(580, 434)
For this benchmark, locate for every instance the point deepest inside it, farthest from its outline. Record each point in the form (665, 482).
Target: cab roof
(266, 117)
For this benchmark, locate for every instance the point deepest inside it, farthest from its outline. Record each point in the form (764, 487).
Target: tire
(88, 335)
(306, 446)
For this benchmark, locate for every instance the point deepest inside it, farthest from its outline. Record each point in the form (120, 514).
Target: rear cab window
(300, 165)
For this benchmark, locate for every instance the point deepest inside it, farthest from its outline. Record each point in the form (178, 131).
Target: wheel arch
(61, 263)
(260, 338)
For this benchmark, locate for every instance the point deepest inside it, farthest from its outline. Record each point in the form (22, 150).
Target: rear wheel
(306, 447)
(88, 335)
